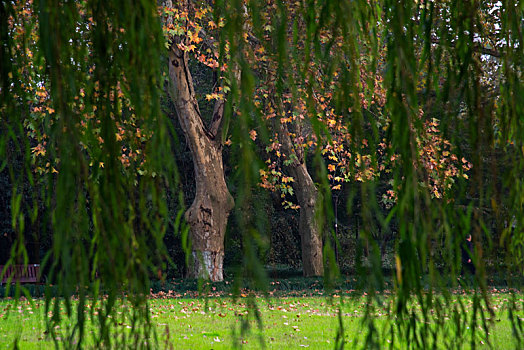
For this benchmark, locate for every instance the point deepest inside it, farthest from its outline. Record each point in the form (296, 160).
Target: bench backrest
(21, 273)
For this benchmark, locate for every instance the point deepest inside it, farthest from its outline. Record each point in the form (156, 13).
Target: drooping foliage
(450, 83)
(452, 75)
(94, 66)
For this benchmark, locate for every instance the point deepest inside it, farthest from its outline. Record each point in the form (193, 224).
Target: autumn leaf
(286, 179)
(213, 96)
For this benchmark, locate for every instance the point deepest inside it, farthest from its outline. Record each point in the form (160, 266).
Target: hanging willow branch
(96, 67)
(81, 81)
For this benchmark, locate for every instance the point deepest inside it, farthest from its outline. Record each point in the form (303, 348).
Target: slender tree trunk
(207, 216)
(311, 240)
(307, 195)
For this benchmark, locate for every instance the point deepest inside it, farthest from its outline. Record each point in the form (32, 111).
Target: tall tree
(308, 199)
(111, 221)
(208, 214)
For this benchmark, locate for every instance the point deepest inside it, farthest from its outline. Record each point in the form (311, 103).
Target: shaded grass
(284, 282)
(221, 322)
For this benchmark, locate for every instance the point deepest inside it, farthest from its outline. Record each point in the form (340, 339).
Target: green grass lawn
(215, 323)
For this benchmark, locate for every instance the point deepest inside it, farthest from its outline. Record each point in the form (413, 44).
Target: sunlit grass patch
(219, 323)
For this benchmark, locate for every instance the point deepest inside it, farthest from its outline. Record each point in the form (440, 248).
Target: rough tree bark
(208, 214)
(307, 196)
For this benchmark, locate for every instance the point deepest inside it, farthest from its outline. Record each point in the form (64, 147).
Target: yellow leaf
(286, 179)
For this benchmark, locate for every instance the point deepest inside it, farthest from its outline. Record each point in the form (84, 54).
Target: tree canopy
(413, 107)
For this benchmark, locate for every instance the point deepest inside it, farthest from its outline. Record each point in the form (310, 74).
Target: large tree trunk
(209, 212)
(307, 195)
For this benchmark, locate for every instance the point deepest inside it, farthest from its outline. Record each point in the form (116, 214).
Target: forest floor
(286, 322)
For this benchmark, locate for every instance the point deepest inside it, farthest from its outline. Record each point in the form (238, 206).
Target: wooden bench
(21, 273)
